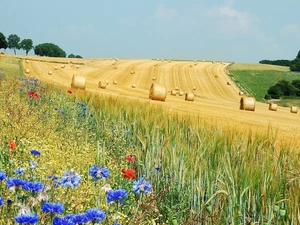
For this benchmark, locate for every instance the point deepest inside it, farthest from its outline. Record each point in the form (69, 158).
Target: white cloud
(163, 13)
(291, 30)
(232, 21)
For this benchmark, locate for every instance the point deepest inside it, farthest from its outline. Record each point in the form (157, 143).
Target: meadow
(257, 79)
(74, 157)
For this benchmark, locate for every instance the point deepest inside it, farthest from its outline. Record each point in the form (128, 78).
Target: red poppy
(37, 96)
(130, 158)
(70, 91)
(128, 173)
(30, 93)
(12, 145)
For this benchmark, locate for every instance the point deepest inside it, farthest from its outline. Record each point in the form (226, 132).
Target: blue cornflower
(115, 195)
(55, 109)
(35, 152)
(27, 218)
(10, 182)
(70, 179)
(141, 185)
(9, 202)
(99, 172)
(116, 223)
(80, 218)
(52, 207)
(157, 168)
(32, 186)
(62, 221)
(19, 171)
(95, 215)
(2, 175)
(1, 201)
(84, 109)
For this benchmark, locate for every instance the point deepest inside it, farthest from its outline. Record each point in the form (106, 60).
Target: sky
(222, 30)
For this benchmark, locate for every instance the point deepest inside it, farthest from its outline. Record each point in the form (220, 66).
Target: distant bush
(74, 56)
(49, 49)
(285, 88)
(280, 62)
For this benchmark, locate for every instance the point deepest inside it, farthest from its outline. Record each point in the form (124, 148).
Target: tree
(282, 88)
(49, 49)
(3, 42)
(74, 56)
(13, 42)
(295, 65)
(296, 84)
(26, 45)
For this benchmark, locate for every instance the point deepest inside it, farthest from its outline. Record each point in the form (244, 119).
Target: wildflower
(55, 109)
(106, 188)
(52, 207)
(70, 179)
(43, 196)
(35, 152)
(24, 209)
(32, 186)
(9, 202)
(80, 218)
(19, 171)
(99, 172)
(12, 145)
(115, 195)
(95, 215)
(130, 158)
(141, 185)
(32, 201)
(2, 175)
(157, 168)
(70, 91)
(62, 221)
(32, 164)
(116, 223)
(11, 182)
(1, 201)
(27, 218)
(130, 173)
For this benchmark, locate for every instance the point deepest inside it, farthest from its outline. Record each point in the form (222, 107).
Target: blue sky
(221, 30)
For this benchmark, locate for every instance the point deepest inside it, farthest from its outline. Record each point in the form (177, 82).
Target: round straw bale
(169, 61)
(294, 109)
(71, 65)
(56, 68)
(102, 84)
(241, 93)
(62, 66)
(195, 64)
(195, 60)
(132, 72)
(158, 92)
(133, 85)
(273, 107)
(115, 82)
(78, 82)
(177, 88)
(228, 83)
(115, 67)
(107, 82)
(49, 72)
(174, 92)
(116, 59)
(247, 103)
(213, 61)
(2, 53)
(27, 71)
(27, 61)
(77, 66)
(203, 60)
(216, 76)
(114, 63)
(194, 88)
(189, 97)
(153, 78)
(180, 93)
(191, 66)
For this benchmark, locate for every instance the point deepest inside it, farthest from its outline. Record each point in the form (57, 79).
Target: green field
(255, 79)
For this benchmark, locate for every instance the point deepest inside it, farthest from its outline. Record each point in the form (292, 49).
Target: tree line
(293, 64)
(284, 88)
(15, 43)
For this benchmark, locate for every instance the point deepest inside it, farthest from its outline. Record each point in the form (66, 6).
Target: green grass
(201, 172)
(255, 79)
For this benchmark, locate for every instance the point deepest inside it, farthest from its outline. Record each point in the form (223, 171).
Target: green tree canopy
(13, 42)
(74, 56)
(295, 65)
(26, 45)
(3, 41)
(285, 88)
(49, 49)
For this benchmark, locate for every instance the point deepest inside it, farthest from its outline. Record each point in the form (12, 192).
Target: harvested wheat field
(214, 99)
